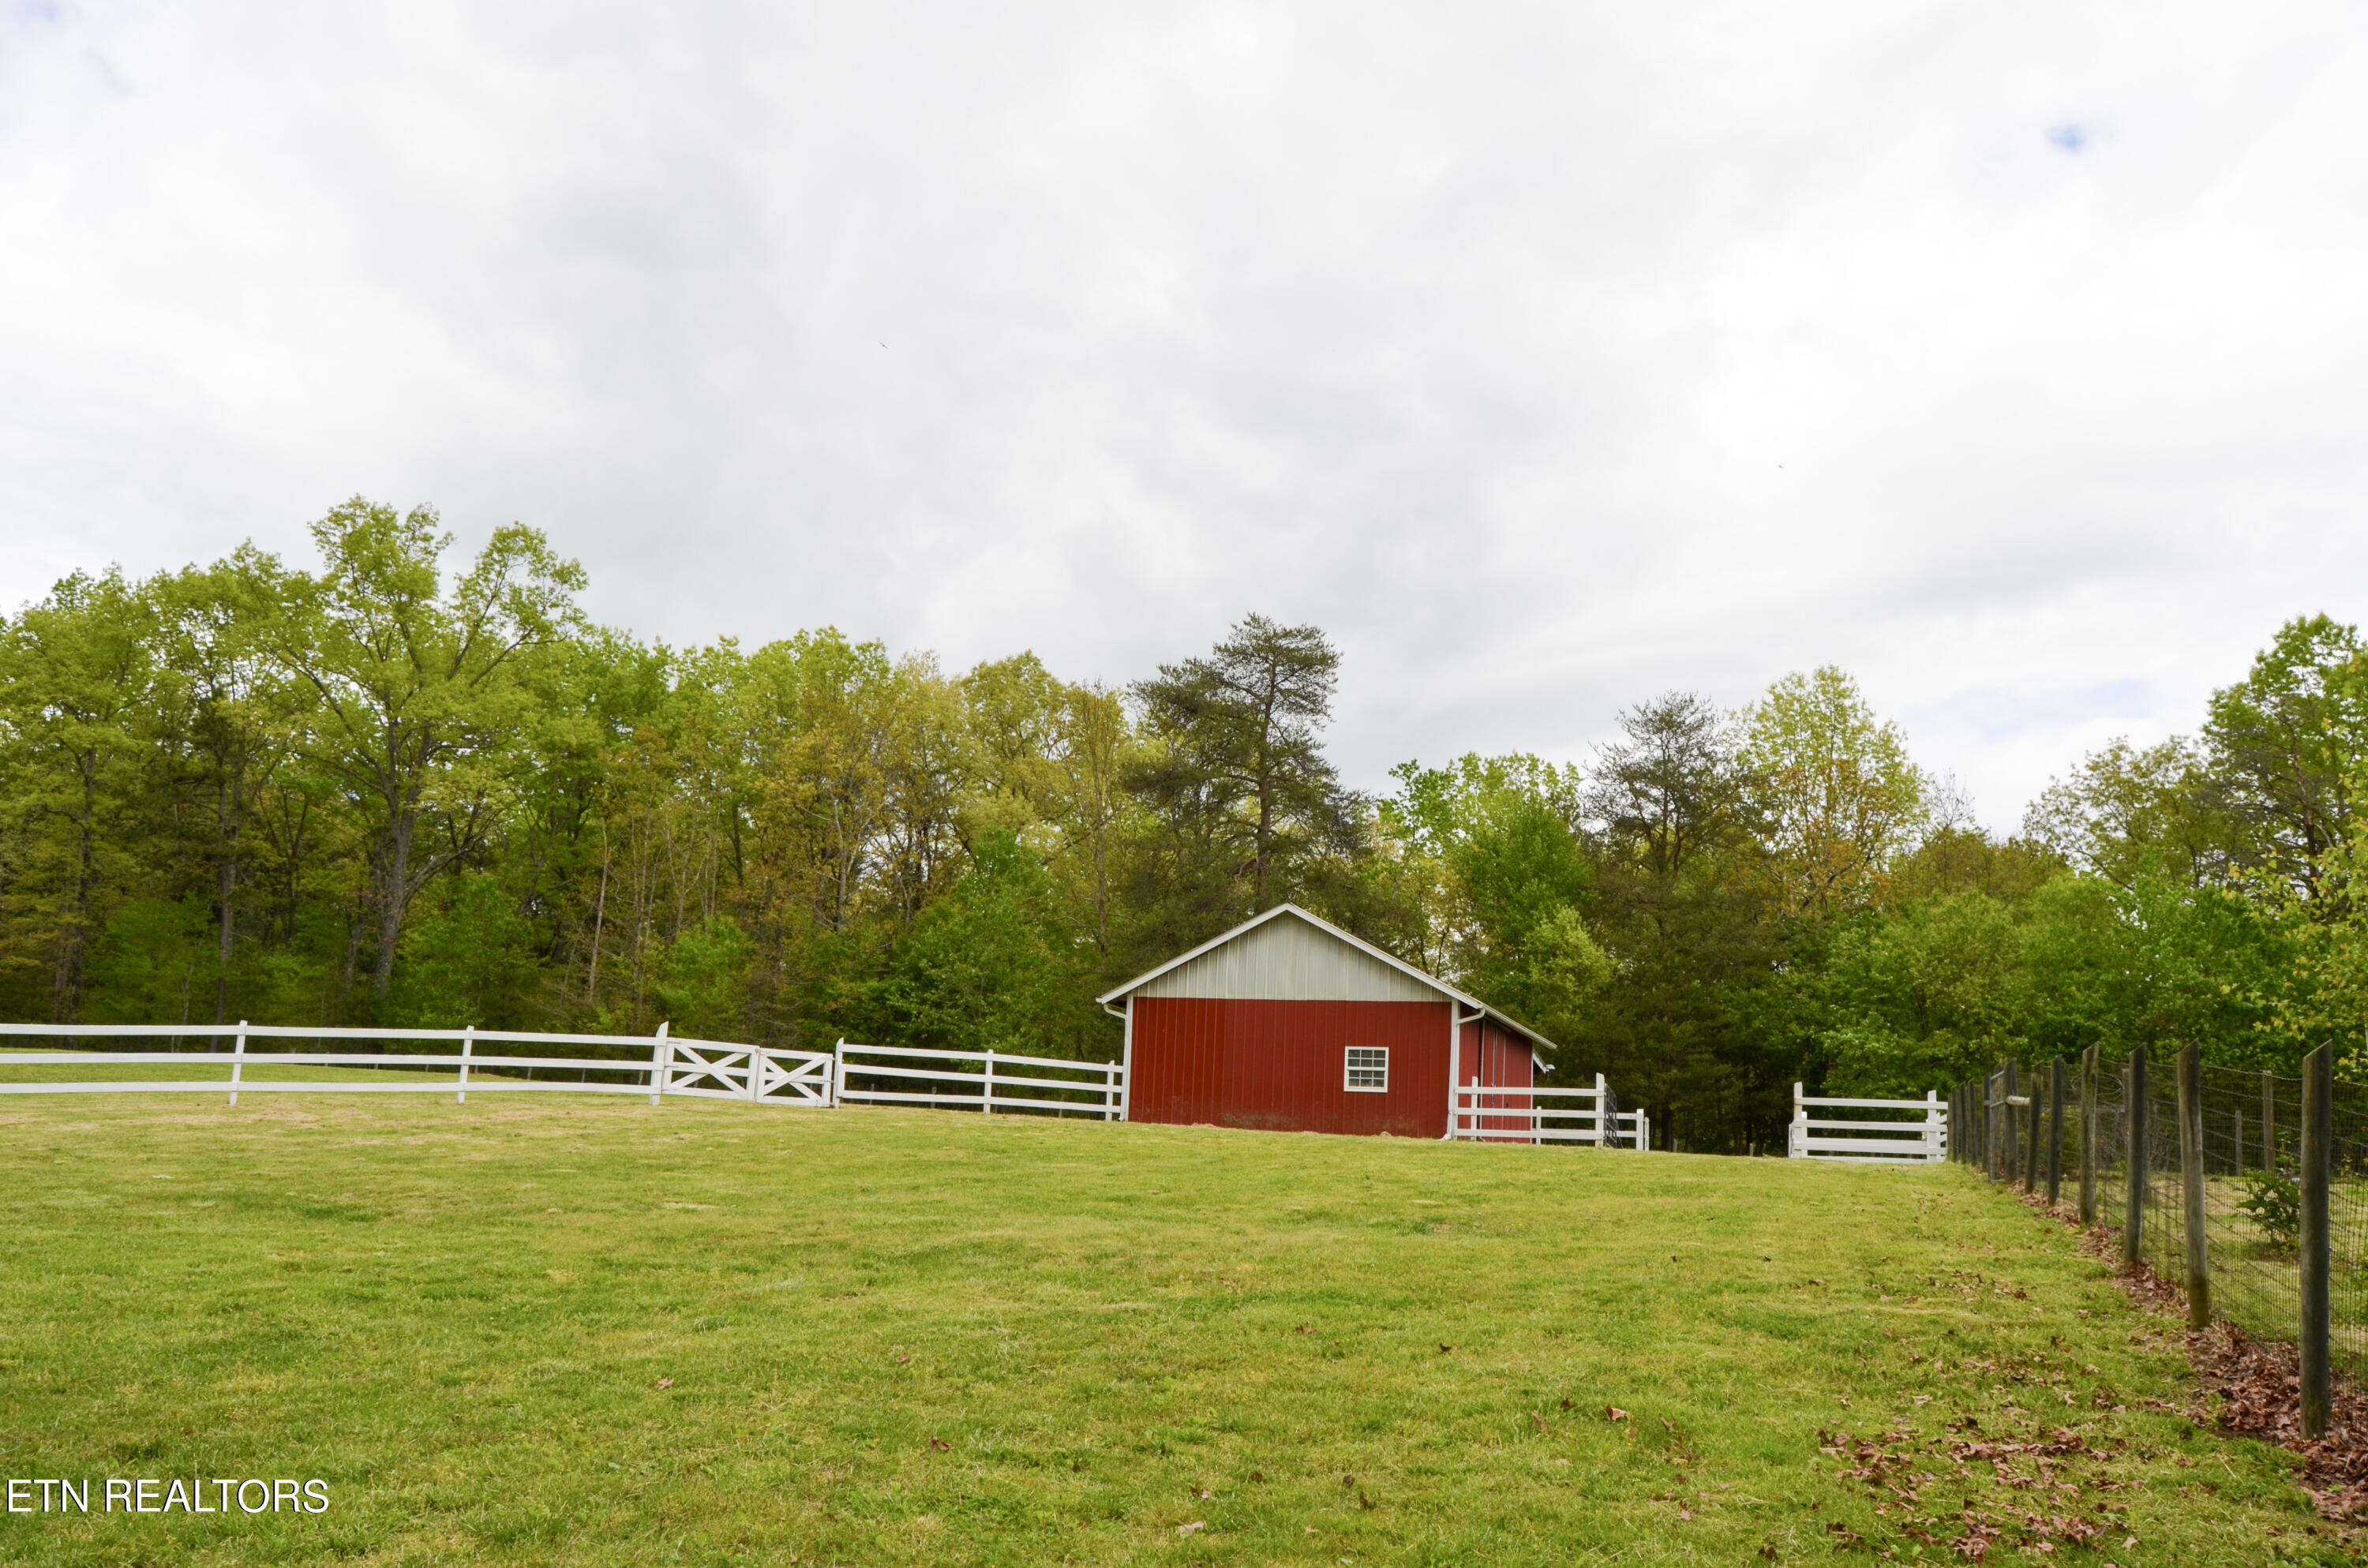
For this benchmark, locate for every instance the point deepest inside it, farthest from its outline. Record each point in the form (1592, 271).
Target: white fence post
(468, 1042)
(1796, 1137)
(1606, 1134)
(837, 1071)
(661, 1060)
(1935, 1129)
(756, 1073)
(237, 1059)
(986, 1091)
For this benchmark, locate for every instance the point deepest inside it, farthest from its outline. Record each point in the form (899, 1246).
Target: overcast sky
(2013, 356)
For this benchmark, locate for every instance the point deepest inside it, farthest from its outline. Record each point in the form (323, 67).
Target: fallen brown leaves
(2257, 1385)
(1893, 1471)
(2261, 1396)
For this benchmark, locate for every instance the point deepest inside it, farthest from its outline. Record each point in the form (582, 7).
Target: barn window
(1368, 1068)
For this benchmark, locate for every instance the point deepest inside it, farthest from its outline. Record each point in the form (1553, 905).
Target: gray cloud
(1549, 358)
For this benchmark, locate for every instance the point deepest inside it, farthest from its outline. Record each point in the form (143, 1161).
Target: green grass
(923, 1337)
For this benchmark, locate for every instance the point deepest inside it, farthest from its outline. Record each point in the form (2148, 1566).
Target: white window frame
(1350, 1067)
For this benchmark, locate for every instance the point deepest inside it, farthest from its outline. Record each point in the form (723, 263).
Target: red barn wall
(1280, 1065)
(1494, 1055)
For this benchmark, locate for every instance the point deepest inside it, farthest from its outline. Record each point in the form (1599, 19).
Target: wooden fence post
(2317, 1150)
(2134, 1118)
(237, 1060)
(661, 1061)
(2055, 1130)
(2089, 1065)
(2190, 1181)
(986, 1095)
(468, 1042)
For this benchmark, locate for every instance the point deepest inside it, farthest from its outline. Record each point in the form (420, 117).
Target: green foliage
(1241, 808)
(2273, 1202)
(397, 786)
(1508, 878)
(470, 960)
(1926, 996)
(995, 965)
(1842, 799)
(705, 981)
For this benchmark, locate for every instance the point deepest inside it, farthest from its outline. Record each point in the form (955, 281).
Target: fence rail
(1531, 1114)
(1863, 1141)
(1092, 1088)
(655, 1065)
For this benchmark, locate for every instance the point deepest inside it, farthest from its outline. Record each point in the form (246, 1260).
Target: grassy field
(545, 1331)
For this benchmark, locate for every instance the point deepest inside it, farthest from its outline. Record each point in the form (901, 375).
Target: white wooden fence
(1086, 1089)
(1535, 1114)
(658, 1064)
(1869, 1140)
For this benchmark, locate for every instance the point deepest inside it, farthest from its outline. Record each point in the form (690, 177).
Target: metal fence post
(2317, 1150)
(2269, 1122)
(2135, 1117)
(237, 1060)
(2089, 1065)
(2030, 1116)
(1988, 1112)
(2191, 1179)
(2018, 1107)
(1992, 1088)
(2054, 1131)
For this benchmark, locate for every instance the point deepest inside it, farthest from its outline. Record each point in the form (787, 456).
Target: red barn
(1288, 1022)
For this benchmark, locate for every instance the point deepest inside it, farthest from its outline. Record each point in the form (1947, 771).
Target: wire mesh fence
(2222, 1161)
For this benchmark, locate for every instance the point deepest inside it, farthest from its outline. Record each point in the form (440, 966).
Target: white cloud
(1547, 359)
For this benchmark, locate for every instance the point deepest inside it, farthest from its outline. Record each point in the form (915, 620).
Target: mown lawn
(575, 1331)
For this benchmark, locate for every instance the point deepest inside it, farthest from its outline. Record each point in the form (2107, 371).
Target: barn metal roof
(1282, 973)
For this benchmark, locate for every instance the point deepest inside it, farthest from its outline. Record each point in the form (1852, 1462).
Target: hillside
(603, 1333)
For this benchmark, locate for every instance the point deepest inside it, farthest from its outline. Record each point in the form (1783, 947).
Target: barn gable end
(1289, 959)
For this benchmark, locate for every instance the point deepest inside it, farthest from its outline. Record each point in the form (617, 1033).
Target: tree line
(403, 789)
